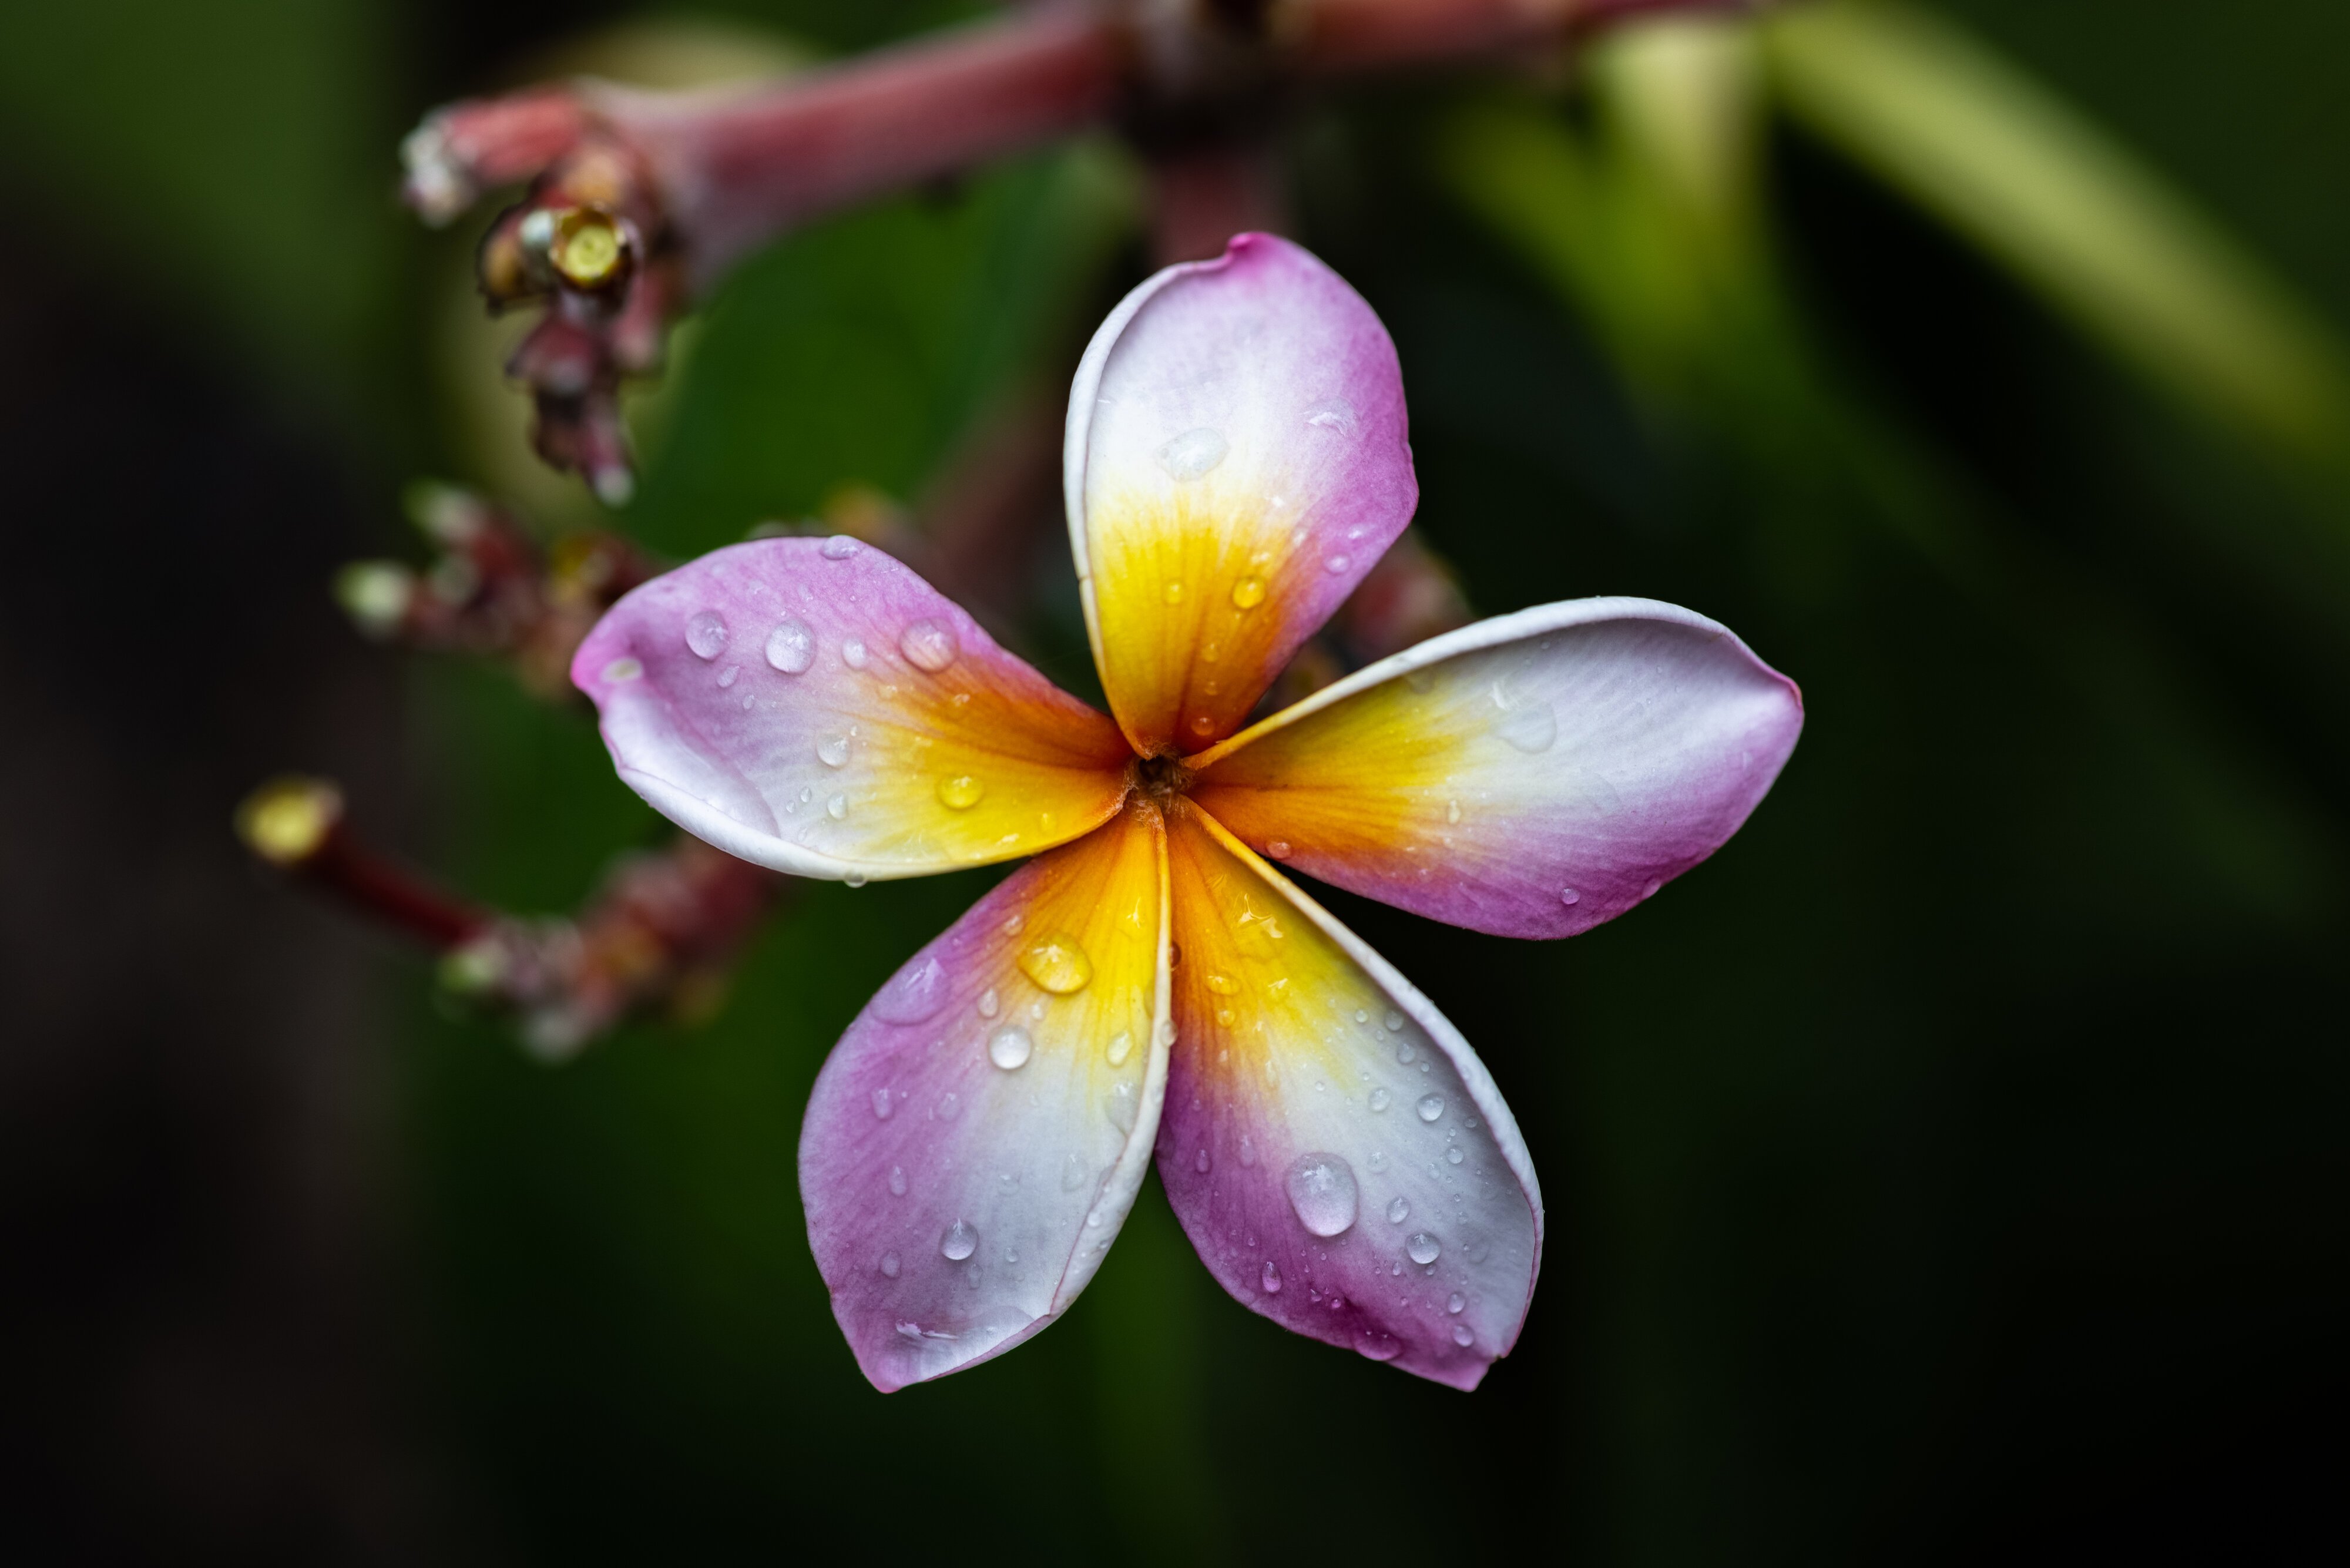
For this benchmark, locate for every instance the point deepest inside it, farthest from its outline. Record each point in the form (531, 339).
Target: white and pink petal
(814, 706)
(1530, 775)
(977, 1138)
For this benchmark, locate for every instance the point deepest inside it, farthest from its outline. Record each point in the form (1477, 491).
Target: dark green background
(1951, 1168)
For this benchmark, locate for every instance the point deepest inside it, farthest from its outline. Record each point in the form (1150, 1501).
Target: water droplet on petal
(1009, 1047)
(1377, 1161)
(1650, 890)
(791, 647)
(1336, 563)
(1172, 592)
(621, 670)
(1201, 1164)
(1529, 726)
(1397, 1211)
(1271, 1278)
(1057, 964)
(1376, 1344)
(987, 1002)
(1278, 849)
(1248, 593)
(854, 879)
(1073, 1173)
(852, 653)
(929, 645)
(1394, 1021)
(915, 993)
(1379, 1099)
(1454, 1155)
(1332, 414)
(1223, 984)
(1452, 811)
(1430, 1107)
(1455, 1301)
(889, 1265)
(836, 807)
(1121, 1107)
(833, 751)
(1120, 1045)
(960, 792)
(1321, 1189)
(1461, 1336)
(1193, 453)
(1570, 896)
(1421, 1247)
(881, 1105)
(726, 677)
(961, 1242)
(898, 1181)
(949, 1103)
(1248, 1150)
(705, 634)
(839, 548)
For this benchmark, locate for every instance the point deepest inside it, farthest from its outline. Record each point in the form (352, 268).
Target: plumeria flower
(1151, 979)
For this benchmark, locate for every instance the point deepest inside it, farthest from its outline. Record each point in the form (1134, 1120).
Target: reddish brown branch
(670, 188)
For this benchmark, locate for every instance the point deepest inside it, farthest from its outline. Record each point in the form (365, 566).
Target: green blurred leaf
(2075, 214)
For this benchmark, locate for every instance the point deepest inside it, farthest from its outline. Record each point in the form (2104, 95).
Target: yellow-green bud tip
(286, 820)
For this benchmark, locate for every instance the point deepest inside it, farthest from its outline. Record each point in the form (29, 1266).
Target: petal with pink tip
(1334, 1148)
(977, 1137)
(1530, 775)
(1235, 463)
(815, 707)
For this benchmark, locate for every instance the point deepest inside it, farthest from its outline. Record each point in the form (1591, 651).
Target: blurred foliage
(1936, 1172)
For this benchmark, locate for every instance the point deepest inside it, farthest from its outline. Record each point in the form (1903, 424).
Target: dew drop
(1480, 1250)
(960, 792)
(881, 1105)
(915, 993)
(1248, 1150)
(791, 647)
(621, 670)
(1377, 1162)
(1394, 1021)
(1332, 414)
(1278, 849)
(1529, 726)
(705, 634)
(854, 879)
(1057, 964)
(1203, 724)
(852, 653)
(1224, 984)
(1570, 896)
(1172, 592)
(839, 548)
(726, 676)
(1376, 1344)
(1121, 1046)
(1452, 811)
(1461, 1336)
(1430, 1107)
(1248, 593)
(1421, 1247)
(1336, 563)
(1398, 1212)
(1380, 1099)
(1201, 1164)
(833, 751)
(889, 1265)
(1361, 1016)
(987, 1002)
(1405, 1053)
(1121, 1107)
(1010, 1048)
(1012, 925)
(929, 645)
(1193, 453)
(897, 1182)
(836, 807)
(960, 1240)
(1321, 1190)
(1650, 890)
(1271, 1278)
(1455, 1301)
(1454, 1155)
(1073, 1173)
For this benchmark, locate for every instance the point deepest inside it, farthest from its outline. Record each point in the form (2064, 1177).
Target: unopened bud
(587, 248)
(287, 820)
(376, 596)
